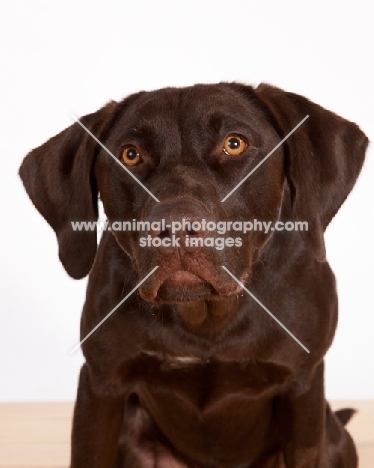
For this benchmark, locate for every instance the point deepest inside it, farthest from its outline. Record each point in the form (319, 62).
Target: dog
(190, 370)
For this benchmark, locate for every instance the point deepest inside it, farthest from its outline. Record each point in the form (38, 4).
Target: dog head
(190, 148)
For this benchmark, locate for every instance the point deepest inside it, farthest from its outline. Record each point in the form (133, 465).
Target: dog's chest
(207, 386)
(218, 404)
(204, 381)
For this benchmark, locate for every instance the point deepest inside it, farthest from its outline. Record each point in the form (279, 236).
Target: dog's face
(190, 147)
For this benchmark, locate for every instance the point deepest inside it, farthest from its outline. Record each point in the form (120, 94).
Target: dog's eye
(131, 156)
(234, 145)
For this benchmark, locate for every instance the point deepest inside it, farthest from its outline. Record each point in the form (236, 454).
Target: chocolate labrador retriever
(190, 370)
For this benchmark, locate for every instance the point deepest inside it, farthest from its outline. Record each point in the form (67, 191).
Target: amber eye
(131, 156)
(234, 145)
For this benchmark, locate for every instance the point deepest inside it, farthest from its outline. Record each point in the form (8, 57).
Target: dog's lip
(196, 272)
(184, 277)
(184, 286)
(177, 279)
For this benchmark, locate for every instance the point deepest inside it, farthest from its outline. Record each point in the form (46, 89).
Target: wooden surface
(37, 435)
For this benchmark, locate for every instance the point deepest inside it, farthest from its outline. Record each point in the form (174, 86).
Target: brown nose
(184, 220)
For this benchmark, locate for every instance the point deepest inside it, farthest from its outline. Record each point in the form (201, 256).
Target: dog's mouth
(186, 286)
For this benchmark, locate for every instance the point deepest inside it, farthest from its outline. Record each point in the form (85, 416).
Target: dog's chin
(183, 286)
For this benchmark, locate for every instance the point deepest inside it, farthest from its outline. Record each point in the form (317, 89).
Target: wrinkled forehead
(201, 106)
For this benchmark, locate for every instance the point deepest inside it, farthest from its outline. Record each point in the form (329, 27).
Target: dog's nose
(181, 219)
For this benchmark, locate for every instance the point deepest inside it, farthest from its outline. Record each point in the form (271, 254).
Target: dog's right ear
(59, 178)
(323, 159)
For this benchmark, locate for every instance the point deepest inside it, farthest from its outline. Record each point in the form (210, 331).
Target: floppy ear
(59, 178)
(323, 159)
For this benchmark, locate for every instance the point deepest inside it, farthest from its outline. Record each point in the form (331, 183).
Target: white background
(63, 57)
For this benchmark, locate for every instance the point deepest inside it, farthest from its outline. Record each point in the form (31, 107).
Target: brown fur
(190, 371)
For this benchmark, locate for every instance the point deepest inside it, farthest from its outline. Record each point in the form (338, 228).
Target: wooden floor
(36, 435)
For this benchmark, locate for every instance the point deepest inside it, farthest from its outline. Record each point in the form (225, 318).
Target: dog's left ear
(323, 159)
(59, 178)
